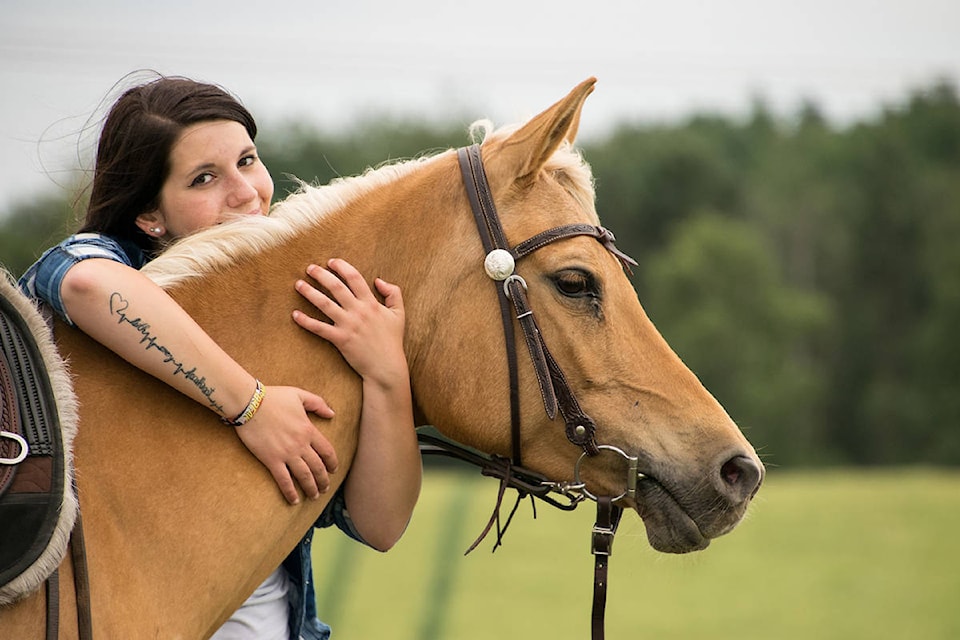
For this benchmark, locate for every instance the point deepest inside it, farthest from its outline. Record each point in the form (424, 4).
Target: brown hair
(133, 154)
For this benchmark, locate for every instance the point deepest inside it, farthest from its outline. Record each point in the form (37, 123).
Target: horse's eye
(575, 284)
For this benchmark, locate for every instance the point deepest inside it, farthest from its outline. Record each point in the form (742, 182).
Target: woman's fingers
(392, 298)
(348, 302)
(311, 475)
(345, 284)
(318, 299)
(288, 444)
(281, 475)
(322, 457)
(356, 284)
(335, 306)
(313, 480)
(368, 333)
(312, 403)
(311, 324)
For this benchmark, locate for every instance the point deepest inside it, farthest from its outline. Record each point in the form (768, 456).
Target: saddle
(38, 417)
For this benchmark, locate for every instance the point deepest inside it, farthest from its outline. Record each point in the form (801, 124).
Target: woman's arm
(383, 484)
(129, 314)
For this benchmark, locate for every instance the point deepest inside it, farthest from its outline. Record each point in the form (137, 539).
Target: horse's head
(698, 472)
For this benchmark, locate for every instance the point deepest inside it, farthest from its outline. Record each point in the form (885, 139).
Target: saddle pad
(38, 416)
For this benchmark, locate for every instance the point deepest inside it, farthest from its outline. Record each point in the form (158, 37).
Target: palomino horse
(182, 523)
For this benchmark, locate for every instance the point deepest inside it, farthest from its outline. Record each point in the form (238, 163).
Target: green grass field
(822, 554)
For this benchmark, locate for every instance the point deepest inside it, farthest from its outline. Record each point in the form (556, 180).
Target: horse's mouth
(670, 529)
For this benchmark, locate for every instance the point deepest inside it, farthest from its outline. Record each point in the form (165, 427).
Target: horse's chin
(669, 528)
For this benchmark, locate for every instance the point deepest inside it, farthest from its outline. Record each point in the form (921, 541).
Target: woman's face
(215, 173)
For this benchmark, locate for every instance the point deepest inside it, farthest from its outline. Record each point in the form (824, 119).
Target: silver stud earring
(156, 229)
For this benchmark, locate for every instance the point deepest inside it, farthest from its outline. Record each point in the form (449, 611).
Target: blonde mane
(218, 247)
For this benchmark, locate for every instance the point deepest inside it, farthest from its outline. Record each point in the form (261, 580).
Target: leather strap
(525, 481)
(608, 518)
(605, 236)
(53, 606)
(554, 390)
(481, 200)
(491, 235)
(535, 346)
(81, 580)
(81, 584)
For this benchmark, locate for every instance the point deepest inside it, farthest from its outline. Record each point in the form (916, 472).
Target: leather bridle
(499, 265)
(556, 393)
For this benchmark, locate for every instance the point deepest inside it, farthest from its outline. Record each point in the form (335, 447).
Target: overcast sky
(328, 62)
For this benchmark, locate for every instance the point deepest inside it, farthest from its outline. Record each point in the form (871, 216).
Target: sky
(329, 63)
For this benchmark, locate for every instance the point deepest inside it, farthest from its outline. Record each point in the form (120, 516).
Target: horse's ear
(526, 150)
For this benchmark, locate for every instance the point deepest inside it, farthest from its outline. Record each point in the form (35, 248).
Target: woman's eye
(246, 161)
(203, 178)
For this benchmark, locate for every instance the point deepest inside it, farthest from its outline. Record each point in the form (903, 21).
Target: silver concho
(499, 264)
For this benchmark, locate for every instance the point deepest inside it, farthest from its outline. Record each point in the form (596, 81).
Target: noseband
(555, 391)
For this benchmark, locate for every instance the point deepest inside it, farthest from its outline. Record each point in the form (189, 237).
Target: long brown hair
(133, 154)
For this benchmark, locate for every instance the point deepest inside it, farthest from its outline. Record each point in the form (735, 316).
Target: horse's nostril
(731, 472)
(741, 478)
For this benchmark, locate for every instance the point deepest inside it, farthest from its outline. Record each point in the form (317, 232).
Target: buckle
(602, 541)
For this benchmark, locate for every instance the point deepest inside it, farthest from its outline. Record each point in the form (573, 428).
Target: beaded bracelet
(247, 414)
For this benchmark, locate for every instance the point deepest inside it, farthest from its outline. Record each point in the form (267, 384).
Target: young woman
(176, 156)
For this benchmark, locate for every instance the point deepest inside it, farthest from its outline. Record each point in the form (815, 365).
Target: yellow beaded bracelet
(247, 414)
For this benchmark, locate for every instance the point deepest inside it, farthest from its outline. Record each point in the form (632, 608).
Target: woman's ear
(151, 223)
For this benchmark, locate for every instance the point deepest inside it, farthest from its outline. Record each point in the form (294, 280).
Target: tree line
(808, 273)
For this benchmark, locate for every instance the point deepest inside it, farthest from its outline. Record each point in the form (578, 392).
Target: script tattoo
(119, 307)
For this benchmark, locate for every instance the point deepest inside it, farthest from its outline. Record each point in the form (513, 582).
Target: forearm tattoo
(119, 307)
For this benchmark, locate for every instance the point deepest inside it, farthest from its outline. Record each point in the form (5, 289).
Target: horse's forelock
(573, 172)
(566, 164)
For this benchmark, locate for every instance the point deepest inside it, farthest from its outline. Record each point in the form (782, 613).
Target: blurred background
(788, 176)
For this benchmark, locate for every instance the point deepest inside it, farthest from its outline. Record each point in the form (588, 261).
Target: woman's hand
(282, 437)
(368, 334)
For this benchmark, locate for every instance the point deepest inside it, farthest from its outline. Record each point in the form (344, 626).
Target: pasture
(822, 554)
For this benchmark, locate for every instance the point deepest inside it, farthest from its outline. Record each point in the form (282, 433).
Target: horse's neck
(175, 509)
(167, 490)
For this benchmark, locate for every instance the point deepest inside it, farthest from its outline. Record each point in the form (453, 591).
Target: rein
(555, 391)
